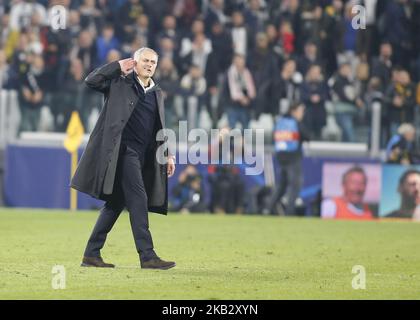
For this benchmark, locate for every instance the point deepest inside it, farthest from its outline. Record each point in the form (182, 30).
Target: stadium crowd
(242, 58)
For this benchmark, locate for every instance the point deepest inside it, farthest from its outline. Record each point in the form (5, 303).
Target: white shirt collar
(151, 84)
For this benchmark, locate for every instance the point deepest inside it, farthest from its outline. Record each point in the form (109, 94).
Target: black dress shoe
(157, 263)
(96, 262)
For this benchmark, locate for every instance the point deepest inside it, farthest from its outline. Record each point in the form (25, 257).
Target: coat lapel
(159, 97)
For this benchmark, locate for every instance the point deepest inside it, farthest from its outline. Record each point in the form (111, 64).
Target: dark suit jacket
(96, 171)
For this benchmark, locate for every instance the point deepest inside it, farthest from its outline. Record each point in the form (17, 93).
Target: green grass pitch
(217, 256)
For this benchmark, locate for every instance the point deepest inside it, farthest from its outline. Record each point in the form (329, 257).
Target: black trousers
(290, 181)
(129, 192)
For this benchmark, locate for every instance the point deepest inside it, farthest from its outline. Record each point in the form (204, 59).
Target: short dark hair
(354, 169)
(406, 174)
(295, 105)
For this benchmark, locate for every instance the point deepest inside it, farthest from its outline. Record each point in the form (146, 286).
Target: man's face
(354, 187)
(410, 189)
(404, 77)
(195, 72)
(85, 39)
(108, 33)
(239, 62)
(146, 66)
(169, 22)
(166, 44)
(237, 19)
(290, 67)
(386, 50)
(345, 70)
(410, 135)
(262, 41)
(338, 5)
(310, 50)
(314, 73)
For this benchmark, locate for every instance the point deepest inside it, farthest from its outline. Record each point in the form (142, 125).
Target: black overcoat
(95, 174)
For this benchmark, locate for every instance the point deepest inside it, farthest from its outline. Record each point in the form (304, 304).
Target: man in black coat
(123, 163)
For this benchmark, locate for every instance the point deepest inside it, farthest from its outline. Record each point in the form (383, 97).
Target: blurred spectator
(409, 189)
(222, 47)
(287, 37)
(239, 93)
(169, 31)
(9, 37)
(346, 103)
(31, 94)
(106, 43)
(197, 30)
(226, 182)
(401, 149)
(129, 48)
(350, 205)
(214, 14)
(185, 11)
(166, 49)
(331, 26)
(291, 11)
(240, 34)
(255, 16)
(285, 88)
(84, 50)
(311, 22)
(218, 62)
(168, 79)
(187, 195)
(34, 42)
(19, 59)
(347, 38)
(272, 35)
(197, 53)
(289, 134)
(261, 63)
(193, 87)
(71, 95)
(56, 49)
(73, 23)
(127, 16)
(374, 94)
(141, 30)
(367, 38)
(91, 17)
(382, 65)
(397, 30)
(309, 58)
(314, 93)
(401, 100)
(8, 77)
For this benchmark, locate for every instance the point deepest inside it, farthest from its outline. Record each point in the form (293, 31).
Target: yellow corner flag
(72, 142)
(75, 133)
